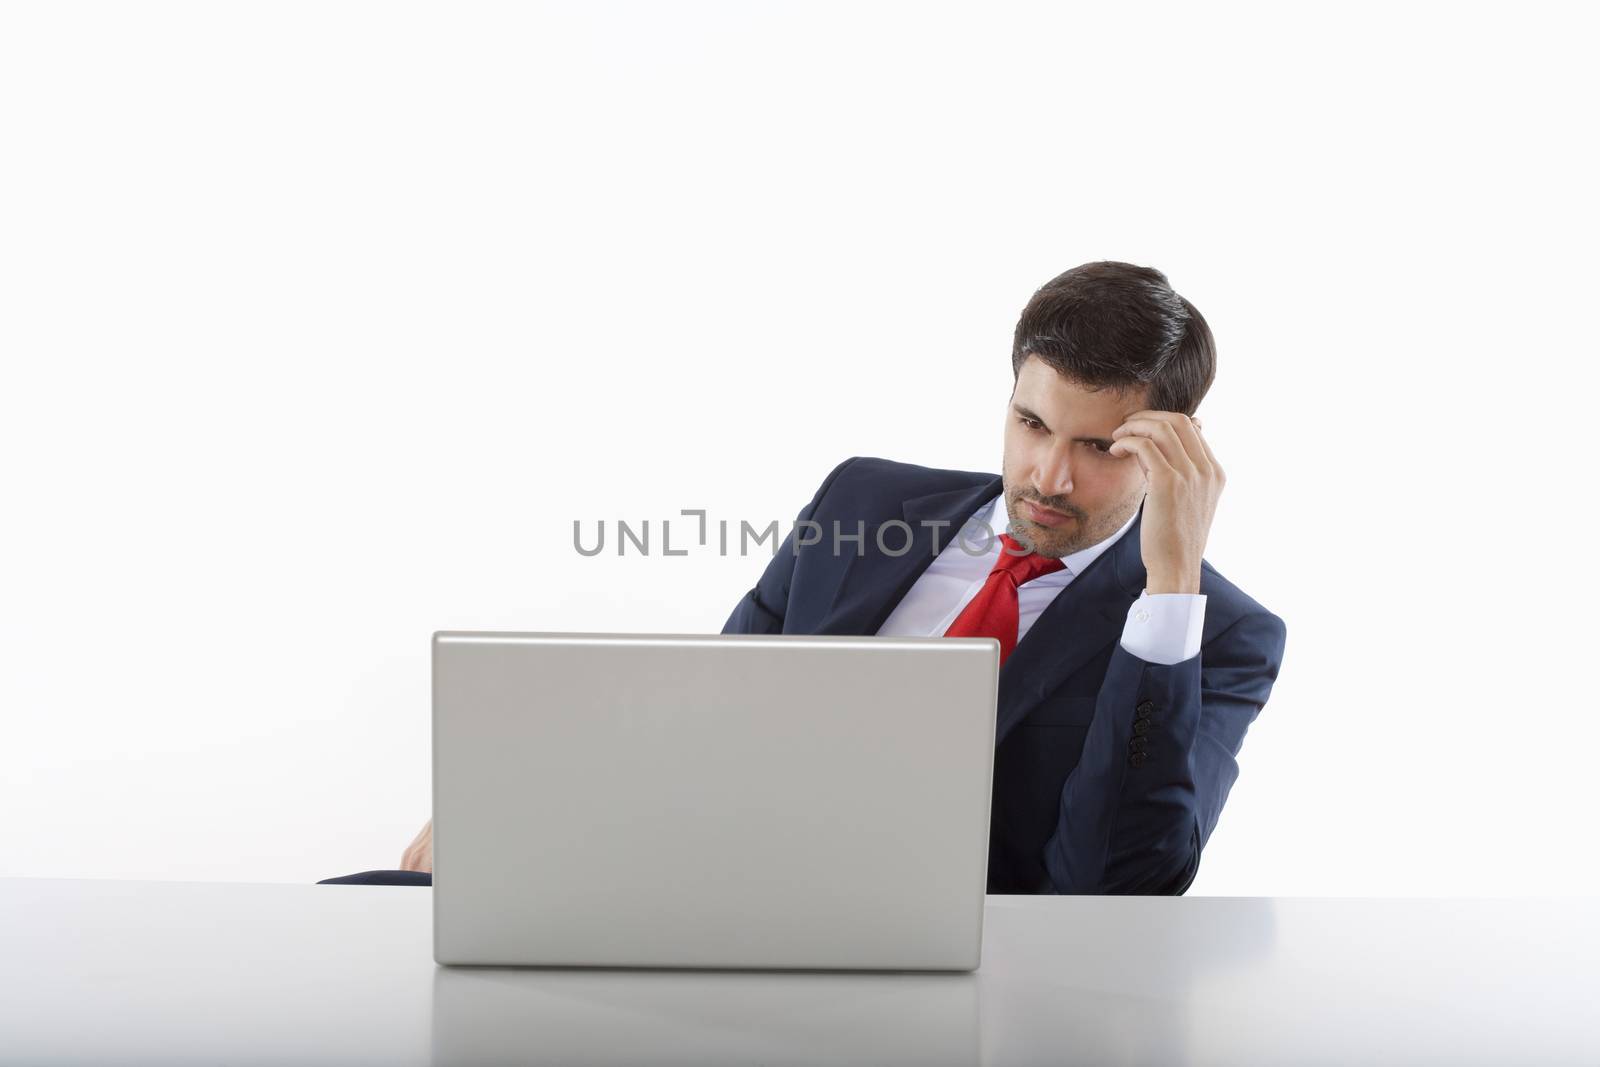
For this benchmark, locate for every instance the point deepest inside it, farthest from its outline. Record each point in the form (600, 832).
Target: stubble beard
(1079, 532)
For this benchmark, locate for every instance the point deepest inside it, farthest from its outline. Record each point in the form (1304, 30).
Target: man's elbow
(1166, 869)
(751, 616)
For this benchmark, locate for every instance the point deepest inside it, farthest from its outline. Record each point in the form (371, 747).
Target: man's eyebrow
(1103, 442)
(1025, 413)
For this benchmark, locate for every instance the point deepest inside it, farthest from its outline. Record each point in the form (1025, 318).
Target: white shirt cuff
(1165, 628)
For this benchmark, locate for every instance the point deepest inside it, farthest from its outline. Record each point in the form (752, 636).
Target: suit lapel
(874, 583)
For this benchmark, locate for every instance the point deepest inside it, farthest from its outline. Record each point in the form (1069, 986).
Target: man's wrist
(1158, 584)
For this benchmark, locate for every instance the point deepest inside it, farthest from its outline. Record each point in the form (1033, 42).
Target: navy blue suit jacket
(1073, 810)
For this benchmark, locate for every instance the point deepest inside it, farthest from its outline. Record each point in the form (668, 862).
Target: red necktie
(993, 612)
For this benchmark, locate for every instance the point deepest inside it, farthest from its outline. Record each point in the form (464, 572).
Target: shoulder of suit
(874, 490)
(913, 478)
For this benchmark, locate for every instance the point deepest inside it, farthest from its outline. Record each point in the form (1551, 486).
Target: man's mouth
(1044, 516)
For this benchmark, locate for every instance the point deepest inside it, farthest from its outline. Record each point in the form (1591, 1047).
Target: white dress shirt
(1164, 628)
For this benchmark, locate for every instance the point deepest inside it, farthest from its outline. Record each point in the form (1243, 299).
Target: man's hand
(1185, 482)
(419, 855)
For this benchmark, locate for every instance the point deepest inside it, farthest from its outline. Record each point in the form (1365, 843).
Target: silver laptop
(734, 801)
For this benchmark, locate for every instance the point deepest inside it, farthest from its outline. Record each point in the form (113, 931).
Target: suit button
(1137, 759)
(1145, 707)
(1138, 744)
(1141, 726)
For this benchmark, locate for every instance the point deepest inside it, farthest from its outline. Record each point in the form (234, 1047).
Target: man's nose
(1053, 477)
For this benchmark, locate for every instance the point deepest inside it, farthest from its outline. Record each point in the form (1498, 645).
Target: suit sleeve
(762, 609)
(1158, 761)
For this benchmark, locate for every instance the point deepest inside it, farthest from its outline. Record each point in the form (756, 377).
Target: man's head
(1093, 346)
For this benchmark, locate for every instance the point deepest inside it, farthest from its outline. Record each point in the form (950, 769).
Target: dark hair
(1114, 325)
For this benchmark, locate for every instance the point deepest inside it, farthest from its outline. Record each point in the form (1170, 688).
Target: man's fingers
(418, 855)
(1175, 432)
(1206, 445)
(1172, 442)
(1146, 451)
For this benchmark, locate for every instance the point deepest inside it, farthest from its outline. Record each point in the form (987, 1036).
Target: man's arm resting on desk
(1159, 759)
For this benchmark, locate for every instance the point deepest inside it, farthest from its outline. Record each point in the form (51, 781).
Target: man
(1130, 668)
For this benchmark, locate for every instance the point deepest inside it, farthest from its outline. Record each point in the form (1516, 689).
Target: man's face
(1056, 436)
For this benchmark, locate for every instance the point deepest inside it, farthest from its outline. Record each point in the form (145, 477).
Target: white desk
(191, 972)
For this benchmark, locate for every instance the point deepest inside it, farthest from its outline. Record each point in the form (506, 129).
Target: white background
(322, 323)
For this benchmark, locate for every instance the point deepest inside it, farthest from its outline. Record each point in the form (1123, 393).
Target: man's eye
(1098, 447)
(1032, 424)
